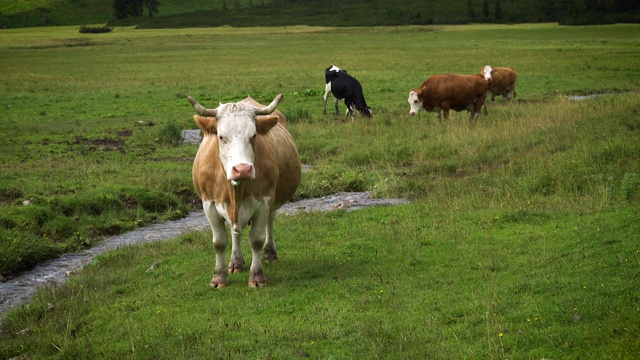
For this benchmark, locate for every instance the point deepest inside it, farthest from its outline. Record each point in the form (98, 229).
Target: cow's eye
(415, 101)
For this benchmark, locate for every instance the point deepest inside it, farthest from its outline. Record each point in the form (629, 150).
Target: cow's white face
(236, 125)
(486, 72)
(236, 133)
(414, 102)
(334, 68)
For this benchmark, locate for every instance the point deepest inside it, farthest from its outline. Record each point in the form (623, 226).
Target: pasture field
(522, 239)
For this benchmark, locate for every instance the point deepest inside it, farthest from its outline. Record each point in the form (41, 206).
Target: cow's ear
(265, 123)
(208, 125)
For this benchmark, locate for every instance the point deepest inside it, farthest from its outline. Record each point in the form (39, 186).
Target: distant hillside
(27, 13)
(243, 13)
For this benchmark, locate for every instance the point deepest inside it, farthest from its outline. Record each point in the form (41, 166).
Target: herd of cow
(248, 166)
(438, 93)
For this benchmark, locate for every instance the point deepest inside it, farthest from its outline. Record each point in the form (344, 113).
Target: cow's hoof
(257, 280)
(270, 256)
(218, 282)
(236, 266)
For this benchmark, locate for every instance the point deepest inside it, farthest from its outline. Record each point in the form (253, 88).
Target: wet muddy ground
(18, 289)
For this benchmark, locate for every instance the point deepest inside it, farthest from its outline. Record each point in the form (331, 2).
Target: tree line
(123, 9)
(565, 12)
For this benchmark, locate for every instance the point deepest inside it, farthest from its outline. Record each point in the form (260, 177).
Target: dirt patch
(105, 144)
(125, 133)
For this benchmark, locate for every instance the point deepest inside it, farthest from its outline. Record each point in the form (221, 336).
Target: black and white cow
(344, 87)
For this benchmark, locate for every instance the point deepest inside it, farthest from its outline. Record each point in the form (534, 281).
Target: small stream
(19, 289)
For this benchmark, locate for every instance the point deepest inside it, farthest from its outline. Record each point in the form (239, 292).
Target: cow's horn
(271, 108)
(201, 110)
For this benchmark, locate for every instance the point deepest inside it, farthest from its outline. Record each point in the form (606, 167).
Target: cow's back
(457, 90)
(503, 79)
(289, 165)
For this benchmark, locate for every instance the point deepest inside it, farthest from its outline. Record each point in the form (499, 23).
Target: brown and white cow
(247, 167)
(502, 81)
(449, 91)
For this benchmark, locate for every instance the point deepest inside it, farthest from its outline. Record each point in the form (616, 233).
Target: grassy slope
(521, 241)
(427, 280)
(78, 116)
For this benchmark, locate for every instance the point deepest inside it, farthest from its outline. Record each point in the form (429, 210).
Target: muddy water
(20, 288)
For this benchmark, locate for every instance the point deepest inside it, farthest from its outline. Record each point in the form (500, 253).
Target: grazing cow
(343, 86)
(247, 166)
(502, 81)
(444, 92)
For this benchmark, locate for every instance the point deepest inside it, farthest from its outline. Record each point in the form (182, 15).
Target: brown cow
(449, 91)
(247, 167)
(502, 81)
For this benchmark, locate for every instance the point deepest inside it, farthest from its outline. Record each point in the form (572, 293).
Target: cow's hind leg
(335, 103)
(257, 237)
(270, 254)
(510, 93)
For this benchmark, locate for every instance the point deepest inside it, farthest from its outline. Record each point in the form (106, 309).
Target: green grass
(523, 224)
(429, 280)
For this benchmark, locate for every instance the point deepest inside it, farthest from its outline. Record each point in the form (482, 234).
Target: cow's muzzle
(242, 172)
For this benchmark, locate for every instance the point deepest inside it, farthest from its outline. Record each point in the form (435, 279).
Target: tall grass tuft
(170, 134)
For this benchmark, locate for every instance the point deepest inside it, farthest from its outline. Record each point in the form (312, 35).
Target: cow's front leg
(236, 263)
(472, 111)
(220, 241)
(327, 90)
(257, 237)
(348, 113)
(335, 104)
